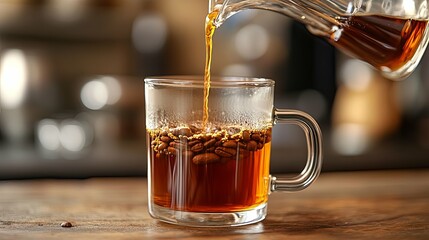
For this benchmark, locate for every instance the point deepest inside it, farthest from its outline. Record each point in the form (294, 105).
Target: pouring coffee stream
(390, 35)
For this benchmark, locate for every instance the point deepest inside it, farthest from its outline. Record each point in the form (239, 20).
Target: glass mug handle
(314, 156)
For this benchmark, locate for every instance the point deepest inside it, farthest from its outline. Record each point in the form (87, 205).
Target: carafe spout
(389, 35)
(320, 16)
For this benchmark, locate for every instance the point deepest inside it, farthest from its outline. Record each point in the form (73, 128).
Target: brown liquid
(234, 183)
(381, 41)
(210, 29)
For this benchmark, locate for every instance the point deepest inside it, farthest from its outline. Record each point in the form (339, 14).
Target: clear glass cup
(217, 174)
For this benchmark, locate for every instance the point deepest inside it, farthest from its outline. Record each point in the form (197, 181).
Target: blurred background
(72, 97)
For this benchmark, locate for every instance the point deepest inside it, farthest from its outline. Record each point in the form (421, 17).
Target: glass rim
(215, 81)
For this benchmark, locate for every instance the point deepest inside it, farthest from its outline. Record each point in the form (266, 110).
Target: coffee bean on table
(66, 225)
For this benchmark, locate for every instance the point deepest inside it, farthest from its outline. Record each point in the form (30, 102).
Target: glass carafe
(391, 35)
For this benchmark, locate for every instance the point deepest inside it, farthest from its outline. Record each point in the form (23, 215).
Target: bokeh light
(48, 134)
(100, 92)
(350, 139)
(252, 42)
(13, 78)
(356, 75)
(72, 136)
(149, 33)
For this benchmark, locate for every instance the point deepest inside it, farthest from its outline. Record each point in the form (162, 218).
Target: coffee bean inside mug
(224, 169)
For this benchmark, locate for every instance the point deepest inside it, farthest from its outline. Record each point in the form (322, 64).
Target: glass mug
(217, 174)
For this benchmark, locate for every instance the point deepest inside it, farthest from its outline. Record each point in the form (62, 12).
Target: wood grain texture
(352, 205)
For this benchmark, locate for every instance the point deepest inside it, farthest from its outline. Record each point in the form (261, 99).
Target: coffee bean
(178, 144)
(172, 150)
(66, 225)
(184, 131)
(205, 158)
(223, 142)
(206, 138)
(212, 149)
(193, 142)
(256, 137)
(197, 147)
(252, 145)
(225, 152)
(194, 129)
(165, 139)
(218, 143)
(230, 144)
(210, 143)
(162, 146)
(246, 135)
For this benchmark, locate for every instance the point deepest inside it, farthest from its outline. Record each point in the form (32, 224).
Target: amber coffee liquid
(209, 172)
(384, 42)
(209, 31)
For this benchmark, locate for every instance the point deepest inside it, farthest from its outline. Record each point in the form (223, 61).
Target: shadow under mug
(217, 173)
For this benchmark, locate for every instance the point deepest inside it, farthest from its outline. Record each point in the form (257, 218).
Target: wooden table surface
(348, 205)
